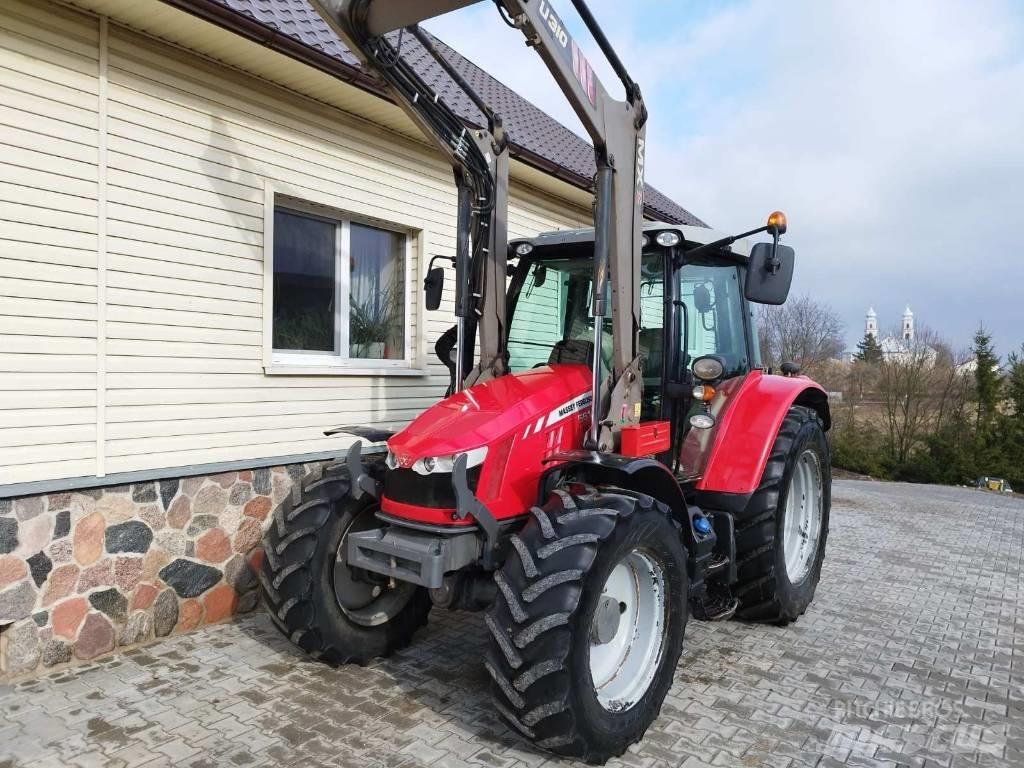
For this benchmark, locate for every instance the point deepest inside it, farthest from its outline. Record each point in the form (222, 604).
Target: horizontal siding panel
(194, 365)
(145, 392)
(205, 207)
(53, 25)
(46, 254)
(129, 164)
(259, 409)
(46, 417)
(178, 333)
(117, 347)
(45, 135)
(169, 221)
(169, 319)
(182, 287)
(31, 438)
(181, 239)
(139, 298)
(271, 386)
(19, 270)
(11, 362)
(24, 192)
(272, 439)
(167, 255)
(78, 177)
(46, 470)
(159, 460)
(195, 164)
(252, 278)
(28, 326)
(31, 176)
(59, 399)
(57, 451)
(44, 234)
(54, 291)
(46, 309)
(27, 75)
(70, 122)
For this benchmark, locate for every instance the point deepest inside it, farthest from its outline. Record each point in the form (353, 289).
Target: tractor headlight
(524, 249)
(668, 239)
(430, 465)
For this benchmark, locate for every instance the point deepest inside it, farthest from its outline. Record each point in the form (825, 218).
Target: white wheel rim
(623, 668)
(802, 524)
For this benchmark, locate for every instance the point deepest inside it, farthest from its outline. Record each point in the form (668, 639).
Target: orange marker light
(704, 392)
(777, 223)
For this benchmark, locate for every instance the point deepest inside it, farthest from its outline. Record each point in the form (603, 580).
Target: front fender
(748, 428)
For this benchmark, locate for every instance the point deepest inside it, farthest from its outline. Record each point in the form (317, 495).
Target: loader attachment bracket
(466, 503)
(361, 480)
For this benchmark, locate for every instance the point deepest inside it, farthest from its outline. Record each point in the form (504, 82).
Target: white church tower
(908, 325)
(871, 323)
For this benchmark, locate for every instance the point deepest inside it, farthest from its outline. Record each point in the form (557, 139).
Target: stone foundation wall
(85, 572)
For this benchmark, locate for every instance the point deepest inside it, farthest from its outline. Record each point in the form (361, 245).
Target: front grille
(434, 490)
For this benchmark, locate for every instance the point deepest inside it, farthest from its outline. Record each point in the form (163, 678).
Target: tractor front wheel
(313, 597)
(780, 536)
(588, 623)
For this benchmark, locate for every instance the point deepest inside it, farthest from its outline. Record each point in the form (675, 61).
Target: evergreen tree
(987, 382)
(868, 350)
(1015, 383)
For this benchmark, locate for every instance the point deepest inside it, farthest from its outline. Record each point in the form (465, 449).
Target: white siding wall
(190, 149)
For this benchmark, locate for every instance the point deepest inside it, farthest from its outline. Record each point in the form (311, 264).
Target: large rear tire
(781, 535)
(588, 623)
(310, 593)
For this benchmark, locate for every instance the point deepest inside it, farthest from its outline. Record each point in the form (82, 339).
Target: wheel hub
(364, 601)
(627, 631)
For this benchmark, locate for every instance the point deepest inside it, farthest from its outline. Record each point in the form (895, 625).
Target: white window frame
(312, 362)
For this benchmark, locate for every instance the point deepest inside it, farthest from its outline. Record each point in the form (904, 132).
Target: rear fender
(643, 475)
(748, 428)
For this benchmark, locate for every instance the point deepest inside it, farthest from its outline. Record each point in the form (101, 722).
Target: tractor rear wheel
(780, 536)
(312, 595)
(588, 623)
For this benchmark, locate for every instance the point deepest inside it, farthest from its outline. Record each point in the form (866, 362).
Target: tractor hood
(488, 412)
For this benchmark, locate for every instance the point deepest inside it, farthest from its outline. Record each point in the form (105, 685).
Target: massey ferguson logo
(554, 24)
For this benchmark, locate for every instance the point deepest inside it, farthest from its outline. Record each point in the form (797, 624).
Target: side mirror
(433, 287)
(540, 275)
(769, 273)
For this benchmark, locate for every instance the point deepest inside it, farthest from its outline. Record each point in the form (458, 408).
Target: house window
(339, 291)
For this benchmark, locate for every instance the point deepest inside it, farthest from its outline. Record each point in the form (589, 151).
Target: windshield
(551, 321)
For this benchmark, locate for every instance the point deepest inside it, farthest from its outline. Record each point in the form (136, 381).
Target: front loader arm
(617, 129)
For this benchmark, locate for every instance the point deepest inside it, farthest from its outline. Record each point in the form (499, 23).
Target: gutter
(247, 27)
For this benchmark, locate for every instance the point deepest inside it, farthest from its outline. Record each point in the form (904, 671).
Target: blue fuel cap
(702, 525)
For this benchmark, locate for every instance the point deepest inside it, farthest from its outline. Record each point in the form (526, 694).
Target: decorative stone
(60, 551)
(211, 500)
(29, 507)
(202, 523)
(41, 618)
(143, 493)
(154, 560)
(60, 584)
(136, 629)
(249, 534)
(99, 575)
(171, 542)
(282, 487)
(239, 575)
(256, 559)
(240, 494)
(40, 566)
(190, 579)
(258, 508)
(190, 549)
(62, 524)
(133, 536)
(88, 538)
(168, 490)
(190, 615)
(6, 507)
(8, 535)
(248, 601)
(165, 613)
(33, 535)
(12, 569)
(111, 602)
(296, 472)
(127, 572)
(153, 516)
(225, 480)
(230, 519)
(68, 615)
(16, 603)
(56, 501)
(213, 546)
(245, 476)
(22, 648)
(261, 481)
(95, 637)
(220, 603)
(191, 485)
(55, 652)
(115, 509)
(143, 598)
(179, 512)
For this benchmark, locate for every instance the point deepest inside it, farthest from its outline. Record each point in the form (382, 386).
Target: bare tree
(802, 331)
(921, 387)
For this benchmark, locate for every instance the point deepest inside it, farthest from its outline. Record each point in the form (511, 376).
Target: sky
(891, 134)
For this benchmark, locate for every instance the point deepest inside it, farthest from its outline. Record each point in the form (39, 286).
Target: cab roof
(690, 234)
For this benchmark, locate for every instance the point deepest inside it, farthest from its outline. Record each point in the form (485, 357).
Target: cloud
(891, 133)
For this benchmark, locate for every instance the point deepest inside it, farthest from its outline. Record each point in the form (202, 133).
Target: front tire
(573, 676)
(781, 535)
(311, 595)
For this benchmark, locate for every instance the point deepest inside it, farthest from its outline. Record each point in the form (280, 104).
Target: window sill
(314, 369)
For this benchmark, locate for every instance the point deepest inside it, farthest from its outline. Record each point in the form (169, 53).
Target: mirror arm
(449, 259)
(717, 245)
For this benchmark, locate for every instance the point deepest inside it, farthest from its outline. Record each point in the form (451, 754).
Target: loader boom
(374, 31)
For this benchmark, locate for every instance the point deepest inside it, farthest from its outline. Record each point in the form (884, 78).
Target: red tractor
(612, 458)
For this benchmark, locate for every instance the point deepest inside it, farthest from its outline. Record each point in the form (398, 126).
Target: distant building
(896, 348)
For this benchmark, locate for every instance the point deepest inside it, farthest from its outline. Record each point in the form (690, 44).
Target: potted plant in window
(372, 322)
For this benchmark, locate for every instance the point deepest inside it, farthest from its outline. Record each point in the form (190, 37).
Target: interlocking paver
(911, 655)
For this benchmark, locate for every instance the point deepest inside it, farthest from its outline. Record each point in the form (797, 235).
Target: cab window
(714, 310)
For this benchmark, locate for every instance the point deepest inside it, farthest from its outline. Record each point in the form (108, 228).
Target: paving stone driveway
(912, 654)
